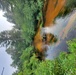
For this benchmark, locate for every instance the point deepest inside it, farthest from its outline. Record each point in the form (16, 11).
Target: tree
(63, 65)
(10, 37)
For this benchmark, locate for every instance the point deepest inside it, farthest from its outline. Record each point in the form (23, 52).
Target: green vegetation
(25, 14)
(63, 65)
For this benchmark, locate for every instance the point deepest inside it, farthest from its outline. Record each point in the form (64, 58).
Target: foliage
(23, 13)
(70, 6)
(11, 37)
(68, 61)
(63, 65)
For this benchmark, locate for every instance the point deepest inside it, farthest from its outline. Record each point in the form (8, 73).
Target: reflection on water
(64, 30)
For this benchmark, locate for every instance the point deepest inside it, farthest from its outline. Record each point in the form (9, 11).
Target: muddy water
(64, 29)
(54, 29)
(52, 9)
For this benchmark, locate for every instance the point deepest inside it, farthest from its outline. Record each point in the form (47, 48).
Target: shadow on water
(65, 32)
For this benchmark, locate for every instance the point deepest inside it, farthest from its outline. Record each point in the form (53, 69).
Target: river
(64, 29)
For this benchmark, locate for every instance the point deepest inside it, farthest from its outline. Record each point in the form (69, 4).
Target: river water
(64, 29)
